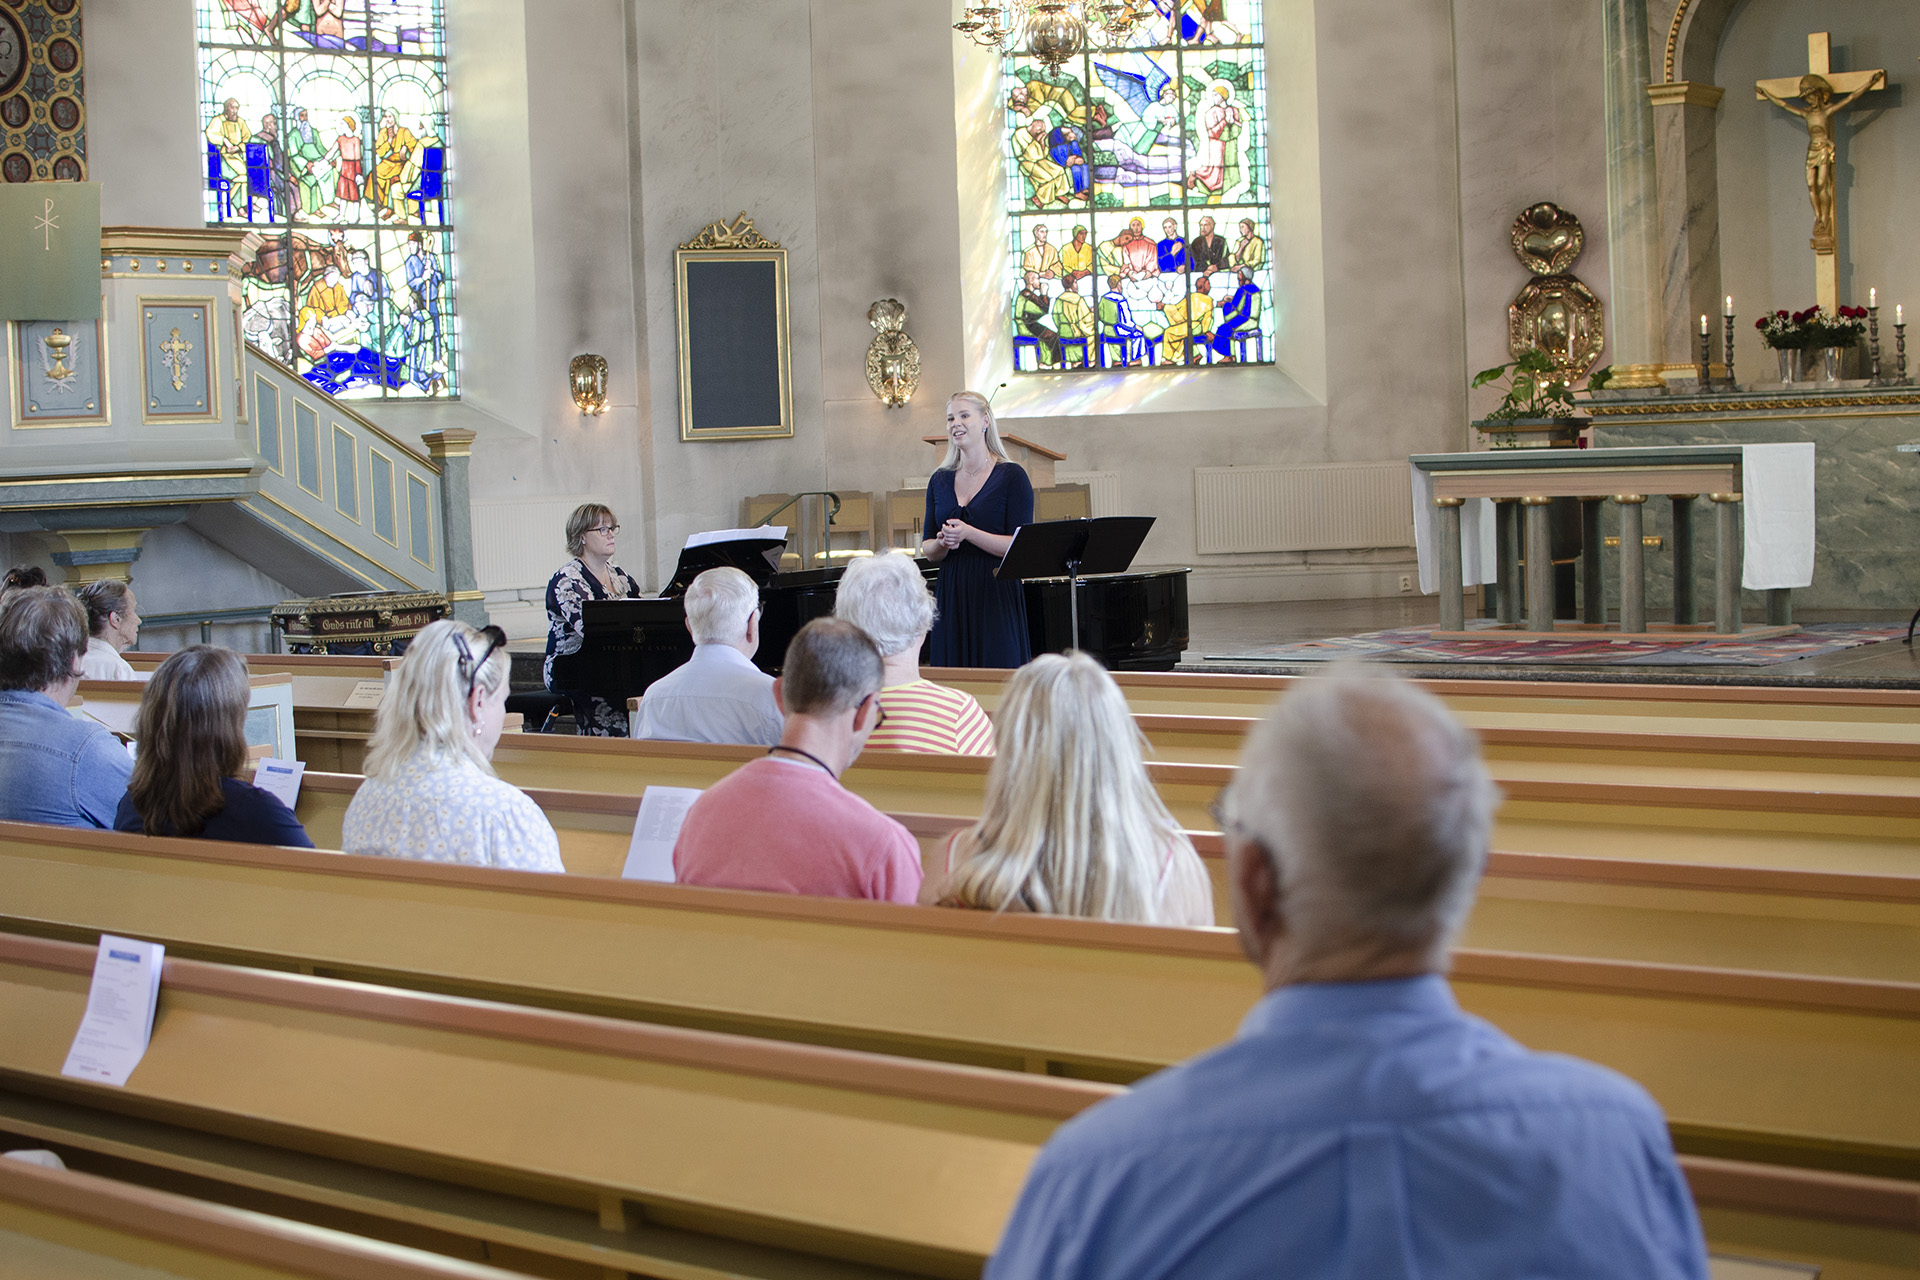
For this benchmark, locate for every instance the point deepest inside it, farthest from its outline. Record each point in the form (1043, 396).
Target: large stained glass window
(326, 131)
(1138, 197)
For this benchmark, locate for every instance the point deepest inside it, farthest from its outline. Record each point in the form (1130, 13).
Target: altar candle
(1729, 311)
(1873, 298)
(1703, 326)
(1899, 314)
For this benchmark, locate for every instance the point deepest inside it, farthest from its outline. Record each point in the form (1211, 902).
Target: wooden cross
(174, 352)
(1826, 93)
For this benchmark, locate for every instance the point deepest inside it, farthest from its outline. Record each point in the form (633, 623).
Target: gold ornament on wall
(893, 361)
(1555, 313)
(587, 375)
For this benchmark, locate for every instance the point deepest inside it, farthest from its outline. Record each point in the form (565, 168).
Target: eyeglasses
(879, 711)
(468, 666)
(605, 528)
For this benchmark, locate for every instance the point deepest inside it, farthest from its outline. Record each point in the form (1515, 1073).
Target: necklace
(809, 755)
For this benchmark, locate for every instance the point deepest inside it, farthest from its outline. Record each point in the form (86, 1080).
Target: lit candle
(1729, 311)
(1873, 298)
(1899, 314)
(1703, 326)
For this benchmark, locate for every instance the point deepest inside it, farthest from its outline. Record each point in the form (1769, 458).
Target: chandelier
(1054, 30)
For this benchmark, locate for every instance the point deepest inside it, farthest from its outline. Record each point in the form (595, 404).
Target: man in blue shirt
(718, 695)
(53, 767)
(1360, 1126)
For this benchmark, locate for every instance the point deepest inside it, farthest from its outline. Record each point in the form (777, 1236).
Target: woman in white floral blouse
(590, 575)
(430, 791)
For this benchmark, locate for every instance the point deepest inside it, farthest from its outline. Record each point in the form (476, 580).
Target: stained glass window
(1138, 196)
(325, 128)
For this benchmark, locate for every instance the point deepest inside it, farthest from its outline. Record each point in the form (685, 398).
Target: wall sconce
(588, 376)
(893, 362)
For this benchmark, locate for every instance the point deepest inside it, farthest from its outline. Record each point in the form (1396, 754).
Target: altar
(1867, 495)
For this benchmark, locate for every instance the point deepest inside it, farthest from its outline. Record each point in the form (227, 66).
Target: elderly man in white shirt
(718, 695)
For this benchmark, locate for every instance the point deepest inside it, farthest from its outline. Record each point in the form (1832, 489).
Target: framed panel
(266, 409)
(239, 366)
(306, 449)
(419, 520)
(179, 360)
(58, 373)
(380, 497)
(731, 288)
(346, 476)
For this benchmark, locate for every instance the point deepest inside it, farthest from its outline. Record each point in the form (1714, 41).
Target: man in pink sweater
(785, 824)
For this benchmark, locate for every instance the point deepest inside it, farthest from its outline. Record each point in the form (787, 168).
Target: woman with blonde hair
(976, 501)
(431, 792)
(1072, 825)
(192, 735)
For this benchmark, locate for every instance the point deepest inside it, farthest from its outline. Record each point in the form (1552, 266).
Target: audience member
(113, 625)
(20, 577)
(1360, 1124)
(1072, 824)
(785, 823)
(56, 767)
(192, 735)
(886, 597)
(718, 695)
(430, 791)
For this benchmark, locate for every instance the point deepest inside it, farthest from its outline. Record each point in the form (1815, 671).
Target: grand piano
(1129, 621)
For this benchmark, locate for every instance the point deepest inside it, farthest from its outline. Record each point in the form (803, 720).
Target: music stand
(755, 553)
(1072, 548)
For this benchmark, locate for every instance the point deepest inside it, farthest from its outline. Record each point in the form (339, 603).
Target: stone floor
(1227, 628)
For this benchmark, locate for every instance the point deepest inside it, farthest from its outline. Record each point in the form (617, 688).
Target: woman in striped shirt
(886, 597)
(1072, 824)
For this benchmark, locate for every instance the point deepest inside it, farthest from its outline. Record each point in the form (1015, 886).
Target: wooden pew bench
(1792, 1067)
(79, 1226)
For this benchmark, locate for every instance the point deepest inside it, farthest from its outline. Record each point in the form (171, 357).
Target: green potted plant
(1537, 409)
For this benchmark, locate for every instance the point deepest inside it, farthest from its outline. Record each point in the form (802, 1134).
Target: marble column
(1685, 117)
(452, 449)
(1633, 214)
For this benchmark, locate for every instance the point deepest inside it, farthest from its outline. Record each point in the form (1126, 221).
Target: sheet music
(655, 829)
(774, 532)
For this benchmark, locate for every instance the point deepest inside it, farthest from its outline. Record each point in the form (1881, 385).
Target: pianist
(717, 695)
(590, 575)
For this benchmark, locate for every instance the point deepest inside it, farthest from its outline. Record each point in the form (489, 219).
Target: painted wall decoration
(43, 114)
(178, 360)
(1138, 197)
(58, 373)
(325, 129)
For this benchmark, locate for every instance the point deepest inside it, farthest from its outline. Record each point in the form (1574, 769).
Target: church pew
(1725, 917)
(80, 1226)
(1808, 823)
(568, 1141)
(573, 1138)
(1787, 1065)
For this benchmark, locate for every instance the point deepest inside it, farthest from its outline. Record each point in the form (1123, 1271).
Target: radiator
(518, 544)
(1334, 506)
(1103, 489)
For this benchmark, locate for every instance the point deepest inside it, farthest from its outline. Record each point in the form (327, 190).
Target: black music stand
(1071, 549)
(757, 556)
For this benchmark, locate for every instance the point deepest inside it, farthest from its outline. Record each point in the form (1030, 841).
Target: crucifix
(174, 353)
(1821, 89)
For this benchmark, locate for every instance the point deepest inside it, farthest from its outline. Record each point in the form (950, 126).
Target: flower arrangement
(1811, 329)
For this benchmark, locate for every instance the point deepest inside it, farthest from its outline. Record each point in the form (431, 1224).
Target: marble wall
(593, 138)
(1765, 218)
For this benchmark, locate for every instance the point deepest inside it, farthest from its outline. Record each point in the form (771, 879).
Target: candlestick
(1899, 348)
(1873, 334)
(1727, 329)
(1706, 356)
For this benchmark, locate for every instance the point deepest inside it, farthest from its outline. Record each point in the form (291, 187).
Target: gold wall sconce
(588, 377)
(893, 361)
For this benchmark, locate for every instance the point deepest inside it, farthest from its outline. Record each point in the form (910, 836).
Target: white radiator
(518, 544)
(1103, 489)
(1333, 506)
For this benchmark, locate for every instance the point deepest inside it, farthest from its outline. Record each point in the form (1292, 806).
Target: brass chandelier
(1054, 31)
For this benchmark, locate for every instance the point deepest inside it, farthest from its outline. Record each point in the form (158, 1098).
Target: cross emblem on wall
(47, 223)
(174, 352)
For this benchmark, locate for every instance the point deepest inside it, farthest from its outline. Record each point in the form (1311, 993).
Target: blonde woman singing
(1072, 825)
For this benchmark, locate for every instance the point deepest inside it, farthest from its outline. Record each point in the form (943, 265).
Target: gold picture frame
(730, 292)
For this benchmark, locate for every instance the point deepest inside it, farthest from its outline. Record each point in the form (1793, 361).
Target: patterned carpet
(1416, 644)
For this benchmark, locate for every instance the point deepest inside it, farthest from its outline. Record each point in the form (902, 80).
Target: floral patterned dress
(567, 594)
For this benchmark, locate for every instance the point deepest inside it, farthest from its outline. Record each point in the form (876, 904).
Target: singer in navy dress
(982, 619)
